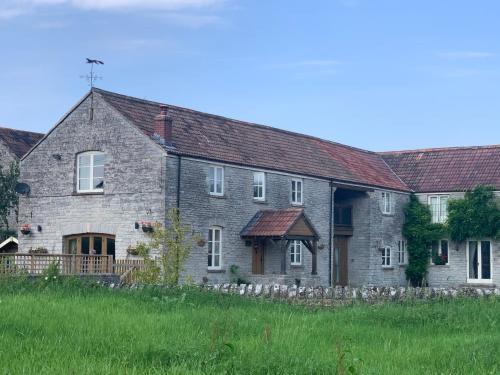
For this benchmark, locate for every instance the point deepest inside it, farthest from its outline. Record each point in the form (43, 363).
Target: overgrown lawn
(70, 329)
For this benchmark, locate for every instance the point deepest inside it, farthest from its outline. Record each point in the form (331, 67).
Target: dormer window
(90, 172)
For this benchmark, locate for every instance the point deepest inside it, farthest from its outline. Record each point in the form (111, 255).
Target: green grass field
(74, 330)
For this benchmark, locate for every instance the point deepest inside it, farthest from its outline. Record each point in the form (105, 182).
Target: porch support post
(283, 256)
(315, 258)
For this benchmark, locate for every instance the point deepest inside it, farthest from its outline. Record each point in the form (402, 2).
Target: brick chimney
(163, 125)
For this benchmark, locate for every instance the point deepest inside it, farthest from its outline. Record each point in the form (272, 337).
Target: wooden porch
(280, 228)
(68, 264)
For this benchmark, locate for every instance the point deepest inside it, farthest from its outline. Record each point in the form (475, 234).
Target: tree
(173, 243)
(8, 196)
(419, 233)
(477, 215)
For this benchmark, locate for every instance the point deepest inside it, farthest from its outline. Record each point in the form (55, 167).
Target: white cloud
(14, 8)
(142, 4)
(465, 55)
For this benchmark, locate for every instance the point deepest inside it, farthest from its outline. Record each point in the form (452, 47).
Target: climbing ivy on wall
(419, 233)
(8, 196)
(477, 215)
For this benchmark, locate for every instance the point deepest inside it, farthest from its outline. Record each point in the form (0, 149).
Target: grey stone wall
(455, 272)
(134, 181)
(372, 228)
(235, 209)
(387, 230)
(342, 295)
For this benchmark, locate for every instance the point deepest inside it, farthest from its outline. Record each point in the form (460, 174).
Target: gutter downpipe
(330, 235)
(178, 184)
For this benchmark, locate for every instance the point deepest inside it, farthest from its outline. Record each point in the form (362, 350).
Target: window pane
(433, 202)
(85, 245)
(84, 184)
(443, 210)
(97, 246)
(98, 183)
(434, 249)
(98, 172)
(444, 250)
(211, 179)
(473, 260)
(84, 172)
(72, 246)
(99, 159)
(84, 160)
(110, 246)
(485, 260)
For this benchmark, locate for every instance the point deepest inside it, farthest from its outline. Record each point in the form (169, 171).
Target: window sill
(296, 266)
(215, 271)
(387, 213)
(387, 268)
(439, 265)
(260, 201)
(297, 204)
(88, 193)
(402, 265)
(217, 196)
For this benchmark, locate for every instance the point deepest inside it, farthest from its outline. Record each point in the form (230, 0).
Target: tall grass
(61, 329)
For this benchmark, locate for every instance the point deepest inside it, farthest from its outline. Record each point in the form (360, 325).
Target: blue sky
(376, 74)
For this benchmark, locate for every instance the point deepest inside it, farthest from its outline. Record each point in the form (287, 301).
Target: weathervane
(91, 78)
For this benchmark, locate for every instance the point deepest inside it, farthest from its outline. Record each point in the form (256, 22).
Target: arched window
(90, 172)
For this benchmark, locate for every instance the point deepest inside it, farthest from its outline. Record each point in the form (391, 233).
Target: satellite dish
(22, 188)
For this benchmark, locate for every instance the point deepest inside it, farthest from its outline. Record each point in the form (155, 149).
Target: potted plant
(201, 242)
(25, 229)
(440, 260)
(132, 250)
(38, 250)
(147, 226)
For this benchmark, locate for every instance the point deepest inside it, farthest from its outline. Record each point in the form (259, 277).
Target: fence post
(110, 264)
(32, 264)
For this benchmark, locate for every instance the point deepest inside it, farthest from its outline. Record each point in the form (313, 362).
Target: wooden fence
(127, 269)
(35, 264)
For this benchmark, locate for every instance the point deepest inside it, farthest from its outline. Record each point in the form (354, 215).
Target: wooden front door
(258, 258)
(341, 276)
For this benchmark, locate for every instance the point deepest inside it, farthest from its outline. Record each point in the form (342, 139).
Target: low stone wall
(342, 295)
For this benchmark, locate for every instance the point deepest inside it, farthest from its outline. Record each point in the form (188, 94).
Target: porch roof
(287, 223)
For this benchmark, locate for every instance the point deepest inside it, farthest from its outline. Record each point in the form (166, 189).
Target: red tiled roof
(446, 169)
(218, 138)
(273, 223)
(19, 141)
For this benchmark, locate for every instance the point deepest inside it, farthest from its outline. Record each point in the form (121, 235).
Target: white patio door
(479, 262)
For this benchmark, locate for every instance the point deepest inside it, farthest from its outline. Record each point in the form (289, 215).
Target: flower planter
(132, 251)
(25, 229)
(147, 229)
(38, 250)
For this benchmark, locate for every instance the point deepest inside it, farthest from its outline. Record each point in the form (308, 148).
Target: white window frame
(294, 254)
(259, 184)
(402, 254)
(387, 202)
(440, 217)
(480, 261)
(211, 249)
(386, 257)
(294, 191)
(216, 168)
(440, 251)
(92, 154)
